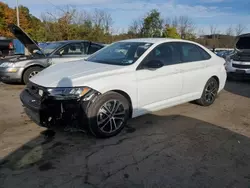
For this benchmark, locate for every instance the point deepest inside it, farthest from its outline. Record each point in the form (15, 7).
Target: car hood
(28, 42)
(73, 74)
(243, 43)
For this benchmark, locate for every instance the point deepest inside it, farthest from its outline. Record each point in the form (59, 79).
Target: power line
(55, 6)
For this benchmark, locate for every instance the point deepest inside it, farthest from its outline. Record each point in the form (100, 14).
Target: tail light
(11, 46)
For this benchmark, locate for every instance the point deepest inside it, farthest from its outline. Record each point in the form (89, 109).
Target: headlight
(68, 93)
(6, 64)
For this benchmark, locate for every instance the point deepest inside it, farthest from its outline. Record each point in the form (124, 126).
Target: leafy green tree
(152, 24)
(171, 32)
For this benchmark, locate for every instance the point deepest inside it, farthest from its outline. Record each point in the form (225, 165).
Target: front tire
(30, 72)
(210, 92)
(108, 115)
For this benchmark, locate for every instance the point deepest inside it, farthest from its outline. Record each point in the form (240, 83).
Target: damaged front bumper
(48, 112)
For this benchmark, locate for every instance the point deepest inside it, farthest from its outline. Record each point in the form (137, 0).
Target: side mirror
(154, 64)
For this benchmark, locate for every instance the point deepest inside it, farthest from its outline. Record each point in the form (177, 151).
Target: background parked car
(42, 45)
(238, 63)
(21, 68)
(224, 53)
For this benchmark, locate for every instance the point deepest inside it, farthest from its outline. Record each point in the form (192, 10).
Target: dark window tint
(191, 52)
(93, 48)
(166, 53)
(73, 49)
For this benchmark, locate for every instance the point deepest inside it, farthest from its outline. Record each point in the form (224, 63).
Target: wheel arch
(217, 79)
(26, 68)
(123, 93)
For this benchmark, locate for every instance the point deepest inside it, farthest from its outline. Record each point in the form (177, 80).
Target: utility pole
(17, 13)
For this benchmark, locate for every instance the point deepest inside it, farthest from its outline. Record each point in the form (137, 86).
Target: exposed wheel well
(129, 100)
(217, 79)
(30, 67)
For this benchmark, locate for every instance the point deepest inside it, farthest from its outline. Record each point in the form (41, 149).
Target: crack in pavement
(132, 164)
(126, 138)
(146, 157)
(86, 177)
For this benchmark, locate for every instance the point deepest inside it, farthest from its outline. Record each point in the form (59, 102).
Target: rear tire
(210, 92)
(30, 72)
(108, 115)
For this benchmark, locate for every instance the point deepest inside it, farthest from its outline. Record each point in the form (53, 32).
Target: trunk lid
(28, 42)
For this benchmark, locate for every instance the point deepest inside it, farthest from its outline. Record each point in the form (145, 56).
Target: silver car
(238, 63)
(22, 67)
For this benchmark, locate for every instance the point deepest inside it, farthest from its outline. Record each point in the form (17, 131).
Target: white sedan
(124, 80)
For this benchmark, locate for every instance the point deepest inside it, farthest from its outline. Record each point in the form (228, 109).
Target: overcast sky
(221, 13)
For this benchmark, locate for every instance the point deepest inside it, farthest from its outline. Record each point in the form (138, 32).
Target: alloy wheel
(211, 91)
(111, 116)
(33, 74)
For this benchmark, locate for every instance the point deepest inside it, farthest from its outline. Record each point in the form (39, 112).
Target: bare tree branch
(230, 31)
(186, 25)
(239, 29)
(213, 29)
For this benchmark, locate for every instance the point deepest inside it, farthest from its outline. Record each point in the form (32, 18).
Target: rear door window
(191, 53)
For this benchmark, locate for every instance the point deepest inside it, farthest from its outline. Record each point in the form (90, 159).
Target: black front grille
(240, 66)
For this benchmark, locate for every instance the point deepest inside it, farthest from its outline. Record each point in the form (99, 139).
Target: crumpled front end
(49, 112)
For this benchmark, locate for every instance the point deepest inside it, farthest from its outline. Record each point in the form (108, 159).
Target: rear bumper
(11, 74)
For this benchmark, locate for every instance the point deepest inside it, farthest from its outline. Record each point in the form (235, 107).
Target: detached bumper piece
(48, 112)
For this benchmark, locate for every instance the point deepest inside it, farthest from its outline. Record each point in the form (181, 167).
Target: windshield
(48, 49)
(120, 53)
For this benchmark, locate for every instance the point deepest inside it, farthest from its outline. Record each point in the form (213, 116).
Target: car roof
(153, 40)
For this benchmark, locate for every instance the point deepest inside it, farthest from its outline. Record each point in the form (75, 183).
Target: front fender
(126, 84)
(36, 63)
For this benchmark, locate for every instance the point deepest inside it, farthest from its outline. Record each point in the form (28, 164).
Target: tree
(171, 32)
(230, 31)
(102, 20)
(135, 28)
(228, 41)
(186, 27)
(152, 24)
(7, 16)
(214, 33)
(213, 29)
(239, 29)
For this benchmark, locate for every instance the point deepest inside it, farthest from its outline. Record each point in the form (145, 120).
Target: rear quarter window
(204, 53)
